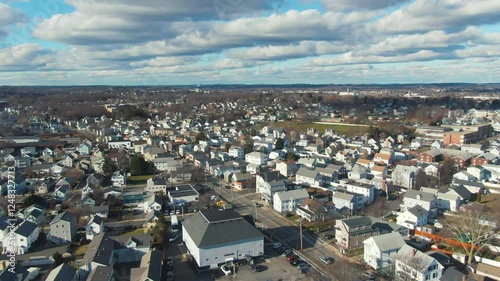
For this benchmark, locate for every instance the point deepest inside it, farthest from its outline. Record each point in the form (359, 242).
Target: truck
(174, 223)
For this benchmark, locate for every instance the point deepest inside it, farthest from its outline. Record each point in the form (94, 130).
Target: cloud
(9, 16)
(349, 5)
(449, 15)
(23, 57)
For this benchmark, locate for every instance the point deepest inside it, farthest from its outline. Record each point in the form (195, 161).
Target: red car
(291, 258)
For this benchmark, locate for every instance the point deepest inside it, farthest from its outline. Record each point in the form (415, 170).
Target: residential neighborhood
(151, 198)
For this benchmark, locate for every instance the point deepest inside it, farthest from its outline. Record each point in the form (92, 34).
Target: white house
(22, 237)
(380, 251)
(257, 158)
(411, 264)
(183, 194)
(308, 177)
(444, 200)
(156, 184)
(213, 237)
(286, 169)
(119, 179)
(287, 201)
(236, 152)
(413, 218)
(268, 183)
(405, 176)
(363, 189)
(94, 227)
(416, 197)
(346, 202)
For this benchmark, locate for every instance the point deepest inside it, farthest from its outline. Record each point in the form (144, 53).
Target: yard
(138, 179)
(492, 202)
(138, 231)
(81, 250)
(347, 129)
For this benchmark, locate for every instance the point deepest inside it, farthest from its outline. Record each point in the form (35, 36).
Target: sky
(190, 42)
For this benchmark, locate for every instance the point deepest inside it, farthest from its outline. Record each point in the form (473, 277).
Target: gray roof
(306, 172)
(159, 181)
(213, 227)
(468, 183)
(463, 192)
(417, 210)
(101, 273)
(64, 216)
(292, 194)
(388, 241)
(357, 221)
(452, 274)
(424, 259)
(63, 272)
(343, 196)
(100, 250)
(424, 196)
(154, 268)
(97, 219)
(26, 228)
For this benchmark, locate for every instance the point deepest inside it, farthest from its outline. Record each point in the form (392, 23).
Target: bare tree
(409, 265)
(474, 229)
(344, 270)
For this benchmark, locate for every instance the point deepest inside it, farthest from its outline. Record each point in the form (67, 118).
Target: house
(311, 210)
(286, 168)
(411, 264)
(63, 272)
(236, 152)
(94, 227)
(34, 214)
(62, 228)
(156, 184)
(85, 148)
(431, 170)
(201, 233)
(151, 219)
(257, 158)
(405, 176)
(99, 253)
(463, 193)
(351, 232)
(61, 193)
(150, 267)
(465, 176)
(416, 197)
(101, 273)
(358, 172)
(380, 251)
(242, 180)
(183, 194)
(287, 201)
(86, 201)
(330, 173)
(413, 218)
(473, 186)
(445, 200)
(308, 177)
(112, 190)
(346, 203)
(150, 202)
(364, 189)
(119, 179)
(479, 172)
(308, 162)
(22, 238)
(268, 183)
(385, 159)
(431, 156)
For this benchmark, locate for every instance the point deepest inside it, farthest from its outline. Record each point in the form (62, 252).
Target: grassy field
(347, 129)
(492, 202)
(135, 232)
(138, 179)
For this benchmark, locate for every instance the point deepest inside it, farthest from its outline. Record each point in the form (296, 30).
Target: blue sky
(168, 42)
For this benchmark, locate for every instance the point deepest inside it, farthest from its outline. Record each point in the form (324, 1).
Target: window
(427, 277)
(231, 254)
(434, 275)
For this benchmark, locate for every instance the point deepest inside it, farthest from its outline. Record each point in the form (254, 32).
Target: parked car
(286, 252)
(369, 275)
(255, 267)
(277, 245)
(173, 238)
(302, 264)
(326, 260)
(296, 262)
(281, 250)
(329, 236)
(225, 269)
(170, 261)
(291, 257)
(177, 212)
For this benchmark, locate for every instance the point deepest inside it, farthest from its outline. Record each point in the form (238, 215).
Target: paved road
(278, 227)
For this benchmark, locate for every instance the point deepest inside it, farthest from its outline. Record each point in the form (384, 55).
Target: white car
(177, 212)
(173, 238)
(277, 245)
(326, 260)
(225, 269)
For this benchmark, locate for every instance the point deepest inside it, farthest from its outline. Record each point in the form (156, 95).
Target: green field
(347, 129)
(138, 179)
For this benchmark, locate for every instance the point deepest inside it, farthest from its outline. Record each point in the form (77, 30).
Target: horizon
(261, 42)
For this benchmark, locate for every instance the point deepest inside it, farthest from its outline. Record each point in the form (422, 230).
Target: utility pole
(301, 244)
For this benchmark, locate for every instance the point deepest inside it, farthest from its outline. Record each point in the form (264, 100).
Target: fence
(438, 238)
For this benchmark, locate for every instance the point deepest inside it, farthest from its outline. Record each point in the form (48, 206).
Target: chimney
(413, 252)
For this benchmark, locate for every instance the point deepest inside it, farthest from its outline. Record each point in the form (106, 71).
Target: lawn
(81, 250)
(492, 202)
(355, 252)
(347, 129)
(138, 231)
(138, 179)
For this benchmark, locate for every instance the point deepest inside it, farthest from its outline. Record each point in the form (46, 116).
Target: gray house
(62, 228)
